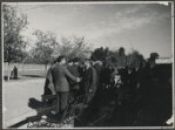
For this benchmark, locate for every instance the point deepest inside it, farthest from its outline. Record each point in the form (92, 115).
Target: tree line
(46, 46)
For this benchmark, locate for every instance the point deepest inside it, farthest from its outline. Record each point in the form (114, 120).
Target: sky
(145, 27)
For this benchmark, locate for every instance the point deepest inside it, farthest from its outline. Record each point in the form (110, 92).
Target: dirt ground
(16, 94)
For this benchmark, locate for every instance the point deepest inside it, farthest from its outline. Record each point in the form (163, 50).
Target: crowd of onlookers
(124, 95)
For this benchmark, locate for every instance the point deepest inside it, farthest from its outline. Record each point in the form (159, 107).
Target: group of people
(134, 91)
(70, 79)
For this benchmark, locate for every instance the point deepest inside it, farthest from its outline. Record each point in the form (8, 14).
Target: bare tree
(75, 47)
(45, 44)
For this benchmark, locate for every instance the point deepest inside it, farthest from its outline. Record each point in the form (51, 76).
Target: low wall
(25, 69)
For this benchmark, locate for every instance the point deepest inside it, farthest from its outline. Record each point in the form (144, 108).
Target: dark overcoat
(90, 82)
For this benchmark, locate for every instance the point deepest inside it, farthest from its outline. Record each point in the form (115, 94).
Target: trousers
(61, 101)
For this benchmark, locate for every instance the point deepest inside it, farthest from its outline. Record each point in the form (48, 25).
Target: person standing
(60, 75)
(15, 71)
(74, 69)
(48, 86)
(89, 81)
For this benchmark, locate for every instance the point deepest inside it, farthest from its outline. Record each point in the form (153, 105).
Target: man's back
(60, 75)
(59, 78)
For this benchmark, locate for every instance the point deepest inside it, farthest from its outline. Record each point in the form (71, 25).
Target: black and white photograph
(87, 65)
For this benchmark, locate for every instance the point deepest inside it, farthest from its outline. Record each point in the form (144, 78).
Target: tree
(45, 44)
(121, 57)
(14, 45)
(135, 59)
(154, 56)
(100, 54)
(75, 47)
(80, 48)
(121, 51)
(152, 59)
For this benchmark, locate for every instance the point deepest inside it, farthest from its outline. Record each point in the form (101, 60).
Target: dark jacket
(60, 74)
(47, 91)
(74, 70)
(90, 80)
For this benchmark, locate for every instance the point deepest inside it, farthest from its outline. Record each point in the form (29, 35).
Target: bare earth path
(16, 94)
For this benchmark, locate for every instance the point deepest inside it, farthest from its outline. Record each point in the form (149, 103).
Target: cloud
(100, 23)
(129, 19)
(90, 20)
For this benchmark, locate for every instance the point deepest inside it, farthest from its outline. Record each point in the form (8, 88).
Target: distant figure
(12, 75)
(60, 74)
(15, 72)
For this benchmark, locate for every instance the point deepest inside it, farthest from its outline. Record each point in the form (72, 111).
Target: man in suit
(75, 70)
(60, 75)
(90, 81)
(89, 87)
